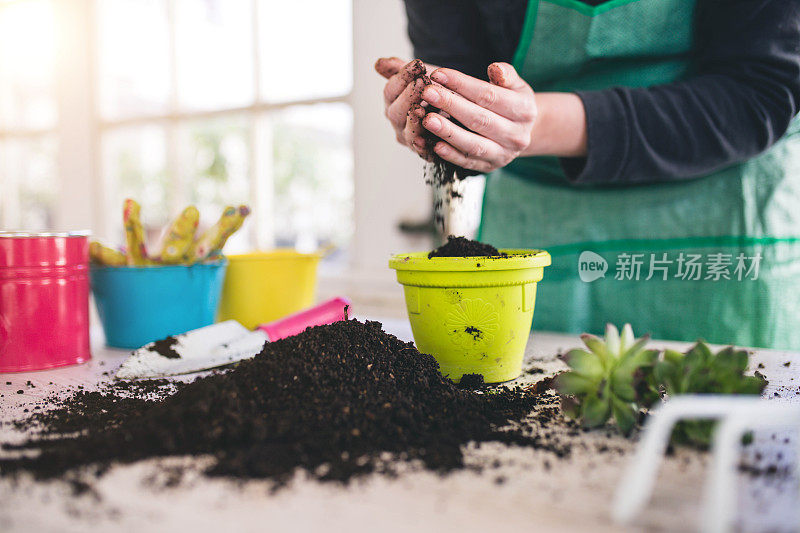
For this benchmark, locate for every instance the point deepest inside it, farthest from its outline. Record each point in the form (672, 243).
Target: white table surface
(538, 493)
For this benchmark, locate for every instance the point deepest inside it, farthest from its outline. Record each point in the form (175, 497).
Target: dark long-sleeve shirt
(744, 91)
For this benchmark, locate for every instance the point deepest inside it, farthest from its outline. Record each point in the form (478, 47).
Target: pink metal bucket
(44, 300)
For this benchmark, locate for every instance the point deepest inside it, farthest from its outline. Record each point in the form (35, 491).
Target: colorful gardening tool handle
(333, 310)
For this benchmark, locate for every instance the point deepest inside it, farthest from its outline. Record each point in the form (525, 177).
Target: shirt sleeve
(449, 33)
(743, 94)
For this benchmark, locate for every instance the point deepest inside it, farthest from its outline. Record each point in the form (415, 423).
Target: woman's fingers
(389, 66)
(505, 75)
(476, 118)
(398, 82)
(469, 144)
(509, 98)
(449, 153)
(397, 111)
(414, 131)
(497, 117)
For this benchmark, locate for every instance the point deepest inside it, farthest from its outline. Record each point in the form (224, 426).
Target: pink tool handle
(325, 313)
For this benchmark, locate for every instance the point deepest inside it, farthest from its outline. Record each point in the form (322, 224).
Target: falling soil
(339, 401)
(438, 172)
(463, 247)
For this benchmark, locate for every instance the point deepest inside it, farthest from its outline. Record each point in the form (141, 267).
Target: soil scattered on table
(111, 405)
(339, 401)
(463, 247)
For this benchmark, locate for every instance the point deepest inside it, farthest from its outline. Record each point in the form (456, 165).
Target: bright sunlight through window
(211, 102)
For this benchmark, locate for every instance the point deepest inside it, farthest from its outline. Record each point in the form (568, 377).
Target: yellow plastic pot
(264, 286)
(473, 314)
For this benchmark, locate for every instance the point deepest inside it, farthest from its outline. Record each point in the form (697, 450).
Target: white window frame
(82, 190)
(387, 178)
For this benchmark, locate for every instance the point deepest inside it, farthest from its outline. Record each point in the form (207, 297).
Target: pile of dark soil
(463, 247)
(332, 400)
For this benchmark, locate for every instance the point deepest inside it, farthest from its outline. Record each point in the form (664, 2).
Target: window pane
(313, 175)
(215, 163)
(134, 166)
(306, 49)
(27, 47)
(28, 179)
(214, 48)
(134, 59)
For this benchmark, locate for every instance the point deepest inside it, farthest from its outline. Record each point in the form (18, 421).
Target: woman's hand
(498, 121)
(402, 97)
(497, 118)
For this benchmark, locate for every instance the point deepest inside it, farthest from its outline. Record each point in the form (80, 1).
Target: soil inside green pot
(463, 247)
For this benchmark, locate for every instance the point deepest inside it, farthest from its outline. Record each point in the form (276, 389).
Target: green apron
(721, 252)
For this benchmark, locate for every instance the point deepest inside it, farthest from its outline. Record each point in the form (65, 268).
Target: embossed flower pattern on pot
(472, 323)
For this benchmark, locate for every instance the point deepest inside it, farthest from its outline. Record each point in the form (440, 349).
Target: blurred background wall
(212, 102)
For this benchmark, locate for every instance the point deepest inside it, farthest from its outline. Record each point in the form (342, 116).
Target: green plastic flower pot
(473, 314)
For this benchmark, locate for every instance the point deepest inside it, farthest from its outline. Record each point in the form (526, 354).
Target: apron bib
(716, 257)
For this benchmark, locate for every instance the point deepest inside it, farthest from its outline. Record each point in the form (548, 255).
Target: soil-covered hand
(496, 118)
(402, 96)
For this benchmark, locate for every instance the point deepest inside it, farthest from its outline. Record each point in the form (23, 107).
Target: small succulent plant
(607, 379)
(616, 376)
(699, 371)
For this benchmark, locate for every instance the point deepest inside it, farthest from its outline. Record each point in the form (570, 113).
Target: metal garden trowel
(222, 344)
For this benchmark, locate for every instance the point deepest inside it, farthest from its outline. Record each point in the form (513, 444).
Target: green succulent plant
(700, 371)
(608, 379)
(616, 376)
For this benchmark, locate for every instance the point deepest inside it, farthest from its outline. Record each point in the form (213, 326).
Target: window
(212, 108)
(27, 115)
(210, 102)
(268, 102)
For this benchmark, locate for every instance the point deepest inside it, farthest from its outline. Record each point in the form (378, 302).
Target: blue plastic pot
(138, 305)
